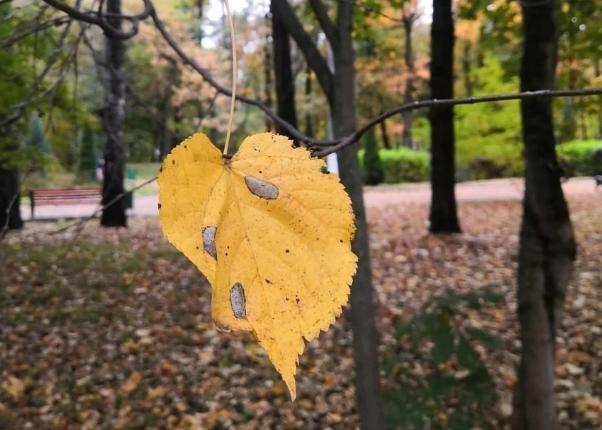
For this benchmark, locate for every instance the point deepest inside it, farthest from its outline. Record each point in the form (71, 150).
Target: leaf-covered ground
(110, 329)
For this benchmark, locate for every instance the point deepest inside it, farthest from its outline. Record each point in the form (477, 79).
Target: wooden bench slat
(66, 202)
(53, 193)
(64, 196)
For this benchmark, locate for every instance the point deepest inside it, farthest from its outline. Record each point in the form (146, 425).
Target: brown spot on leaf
(261, 188)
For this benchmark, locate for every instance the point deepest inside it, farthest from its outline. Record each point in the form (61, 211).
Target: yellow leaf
(270, 231)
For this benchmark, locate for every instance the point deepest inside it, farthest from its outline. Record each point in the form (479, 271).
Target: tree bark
(443, 213)
(408, 93)
(598, 72)
(267, 75)
(385, 135)
(309, 127)
(568, 128)
(114, 154)
(547, 246)
(466, 69)
(285, 82)
(10, 190)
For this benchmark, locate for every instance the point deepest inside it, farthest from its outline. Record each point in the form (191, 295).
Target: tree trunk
(114, 155)
(362, 313)
(10, 190)
(385, 135)
(568, 128)
(285, 82)
(583, 120)
(443, 214)
(267, 76)
(466, 69)
(408, 93)
(598, 72)
(309, 128)
(547, 244)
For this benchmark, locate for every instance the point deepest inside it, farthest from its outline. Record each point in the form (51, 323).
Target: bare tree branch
(330, 148)
(98, 18)
(220, 88)
(29, 30)
(316, 60)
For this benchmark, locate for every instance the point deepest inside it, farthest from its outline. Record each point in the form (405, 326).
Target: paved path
(490, 190)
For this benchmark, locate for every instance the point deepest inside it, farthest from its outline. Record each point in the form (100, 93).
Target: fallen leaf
(14, 387)
(132, 382)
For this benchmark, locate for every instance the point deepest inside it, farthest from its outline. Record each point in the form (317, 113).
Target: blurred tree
(113, 114)
(37, 141)
(547, 243)
(443, 213)
(14, 87)
(88, 156)
(285, 82)
(409, 16)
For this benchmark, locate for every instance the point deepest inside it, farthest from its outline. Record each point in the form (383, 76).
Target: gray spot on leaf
(237, 301)
(261, 188)
(209, 240)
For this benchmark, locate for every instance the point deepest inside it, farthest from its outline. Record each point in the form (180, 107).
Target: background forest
(58, 110)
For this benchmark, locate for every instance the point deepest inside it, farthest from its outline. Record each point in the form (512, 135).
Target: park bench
(64, 196)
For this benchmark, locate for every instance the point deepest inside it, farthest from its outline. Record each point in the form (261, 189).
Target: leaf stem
(234, 70)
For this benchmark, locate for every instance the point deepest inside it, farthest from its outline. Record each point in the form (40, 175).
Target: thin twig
(292, 131)
(234, 73)
(352, 138)
(22, 33)
(99, 19)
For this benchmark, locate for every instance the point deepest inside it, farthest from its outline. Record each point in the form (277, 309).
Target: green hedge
(578, 158)
(581, 157)
(402, 165)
